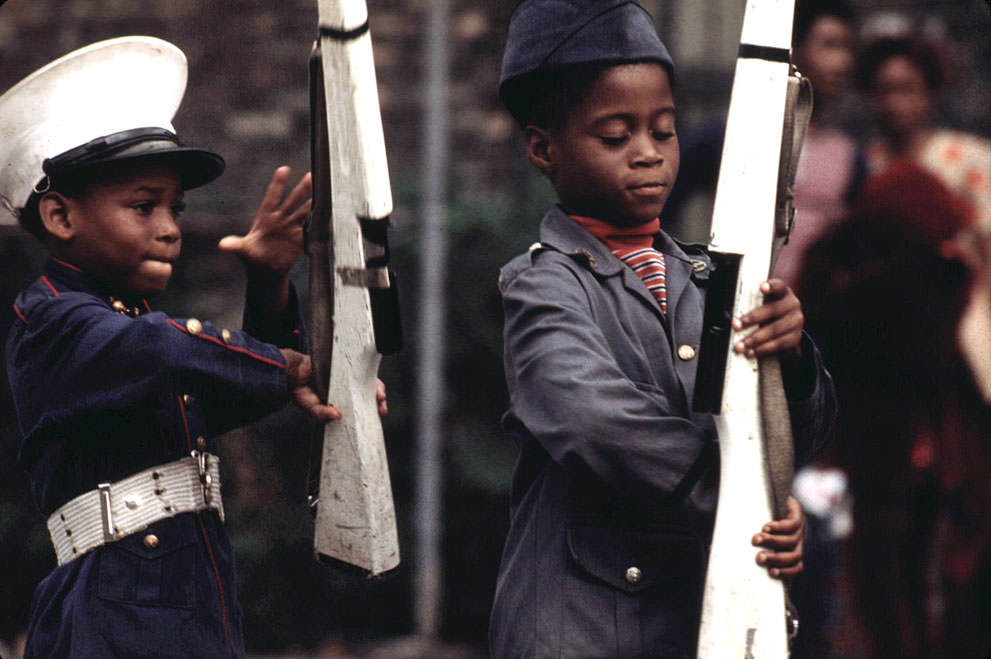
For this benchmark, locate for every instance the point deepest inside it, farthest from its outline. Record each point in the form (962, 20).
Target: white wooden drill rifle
(744, 610)
(346, 242)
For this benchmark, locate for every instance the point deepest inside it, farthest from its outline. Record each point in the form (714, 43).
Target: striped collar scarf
(634, 246)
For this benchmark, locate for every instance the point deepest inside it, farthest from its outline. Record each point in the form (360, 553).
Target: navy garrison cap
(547, 34)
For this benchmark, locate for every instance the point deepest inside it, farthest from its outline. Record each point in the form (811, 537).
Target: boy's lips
(651, 188)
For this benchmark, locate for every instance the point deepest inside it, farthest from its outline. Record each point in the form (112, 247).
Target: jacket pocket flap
(635, 560)
(161, 538)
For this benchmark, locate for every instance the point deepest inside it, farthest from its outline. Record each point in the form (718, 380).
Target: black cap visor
(196, 167)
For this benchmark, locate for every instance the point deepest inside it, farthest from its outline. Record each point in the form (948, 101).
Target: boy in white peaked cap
(116, 402)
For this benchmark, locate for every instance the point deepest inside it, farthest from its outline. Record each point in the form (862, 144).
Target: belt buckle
(106, 512)
(206, 479)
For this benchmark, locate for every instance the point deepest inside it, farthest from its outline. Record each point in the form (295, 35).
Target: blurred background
(248, 99)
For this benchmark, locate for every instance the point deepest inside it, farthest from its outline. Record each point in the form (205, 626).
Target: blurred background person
(902, 77)
(830, 168)
(913, 432)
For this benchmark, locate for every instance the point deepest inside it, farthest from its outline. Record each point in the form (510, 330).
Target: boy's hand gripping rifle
(350, 285)
(744, 611)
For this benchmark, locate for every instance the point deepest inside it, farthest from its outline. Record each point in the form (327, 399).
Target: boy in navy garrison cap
(115, 402)
(614, 489)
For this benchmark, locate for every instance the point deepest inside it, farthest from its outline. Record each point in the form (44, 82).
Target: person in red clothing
(912, 432)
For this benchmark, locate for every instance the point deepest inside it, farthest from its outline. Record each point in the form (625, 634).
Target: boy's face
(615, 157)
(125, 231)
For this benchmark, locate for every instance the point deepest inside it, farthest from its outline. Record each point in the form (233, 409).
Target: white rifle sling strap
(355, 517)
(743, 611)
(778, 440)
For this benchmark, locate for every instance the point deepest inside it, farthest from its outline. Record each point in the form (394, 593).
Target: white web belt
(117, 510)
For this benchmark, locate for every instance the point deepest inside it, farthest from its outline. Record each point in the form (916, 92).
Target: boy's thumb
(230, 243)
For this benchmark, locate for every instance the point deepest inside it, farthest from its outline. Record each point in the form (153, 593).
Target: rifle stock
(355, 518)
(744, 609)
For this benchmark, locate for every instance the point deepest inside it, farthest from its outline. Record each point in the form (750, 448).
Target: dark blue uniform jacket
(615, 470)
(101, 395)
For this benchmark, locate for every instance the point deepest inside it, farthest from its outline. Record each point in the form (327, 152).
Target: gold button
(633, 575)
(194, 326)
(698, 266)
(226, 336)
(118, 306)
(151, 541)
(187, 399)
(686, 352)
(200, 444)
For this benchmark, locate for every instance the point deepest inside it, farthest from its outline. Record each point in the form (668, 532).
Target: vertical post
(428, 584)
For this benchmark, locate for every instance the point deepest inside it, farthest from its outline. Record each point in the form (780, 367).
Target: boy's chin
(149, 287)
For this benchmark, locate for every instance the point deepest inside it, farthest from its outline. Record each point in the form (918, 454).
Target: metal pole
(428, 584)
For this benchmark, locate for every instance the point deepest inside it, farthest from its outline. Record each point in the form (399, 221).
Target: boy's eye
(613, 140)
(662, 135)
(179, 208)
(145, 207)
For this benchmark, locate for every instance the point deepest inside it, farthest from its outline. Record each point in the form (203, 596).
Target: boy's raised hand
(780, 320)
(782, 543)
(275, 239)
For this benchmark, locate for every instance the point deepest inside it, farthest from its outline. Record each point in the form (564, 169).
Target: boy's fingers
(380, 398)
(308, 400)
(785, 333)
(786, 572)
(300, 213)
(768, 311)
(299, 193)
(784, 526)
(774, 288)
(778, 542)
(273, 193)
(779, 559)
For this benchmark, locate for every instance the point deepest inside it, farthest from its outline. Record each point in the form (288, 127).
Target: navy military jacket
(100, 395)
(615, 470)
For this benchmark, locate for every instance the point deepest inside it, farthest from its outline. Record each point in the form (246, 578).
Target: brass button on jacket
(194, 326)
(151, 541)
(633, 575)
(686, 352)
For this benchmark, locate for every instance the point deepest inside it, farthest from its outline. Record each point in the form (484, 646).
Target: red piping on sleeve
(220, 343)
(19, 314)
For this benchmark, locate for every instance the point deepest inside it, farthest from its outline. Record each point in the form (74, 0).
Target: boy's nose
(646, 152)
(168, 228)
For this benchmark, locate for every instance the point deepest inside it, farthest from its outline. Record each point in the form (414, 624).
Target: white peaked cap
(105, 88)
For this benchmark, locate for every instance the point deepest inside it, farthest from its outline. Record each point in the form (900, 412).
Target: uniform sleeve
(811, 401)
(569, 392)
(291, 331)
(73, 355)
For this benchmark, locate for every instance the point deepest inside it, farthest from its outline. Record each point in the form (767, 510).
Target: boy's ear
(538, 149)
(53, 209)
